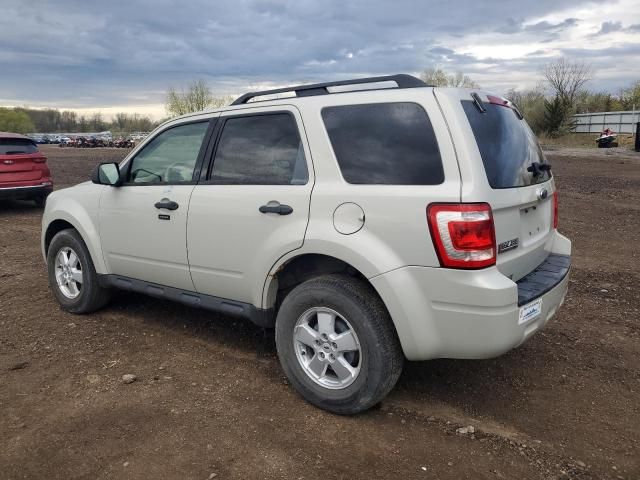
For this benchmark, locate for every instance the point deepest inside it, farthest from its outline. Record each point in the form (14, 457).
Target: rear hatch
(502, 164)
(20, 161)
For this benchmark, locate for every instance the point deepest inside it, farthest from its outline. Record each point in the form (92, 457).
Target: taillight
(40, 159)
(463, 234)
(555, 209)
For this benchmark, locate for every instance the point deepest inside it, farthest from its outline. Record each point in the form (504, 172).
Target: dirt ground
(211, 401)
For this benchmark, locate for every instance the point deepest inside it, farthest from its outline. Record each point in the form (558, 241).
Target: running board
(262, 318)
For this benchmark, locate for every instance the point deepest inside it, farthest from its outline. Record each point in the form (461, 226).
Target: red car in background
(24, 173)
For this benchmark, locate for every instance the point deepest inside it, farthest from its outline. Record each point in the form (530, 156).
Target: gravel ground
(207, 399)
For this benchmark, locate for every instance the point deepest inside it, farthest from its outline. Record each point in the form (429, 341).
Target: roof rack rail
(402, 80)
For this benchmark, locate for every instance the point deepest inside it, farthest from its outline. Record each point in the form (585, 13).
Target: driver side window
(170, 157)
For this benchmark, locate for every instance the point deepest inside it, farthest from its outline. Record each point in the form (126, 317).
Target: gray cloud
(544, 26)
(608, 27)
(72, 54)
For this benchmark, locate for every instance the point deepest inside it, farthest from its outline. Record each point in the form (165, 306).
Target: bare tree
(439, 78)
(96, 121)
(197, 97)
(566, 78)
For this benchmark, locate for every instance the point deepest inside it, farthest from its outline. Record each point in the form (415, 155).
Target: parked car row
(89, 140)
(93, 142)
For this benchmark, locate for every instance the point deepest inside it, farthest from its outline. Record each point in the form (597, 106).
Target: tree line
(548, 107)
(51, 120)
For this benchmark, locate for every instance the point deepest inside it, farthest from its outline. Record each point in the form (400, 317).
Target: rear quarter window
(15, 146)
(384, 144)
(507, 145)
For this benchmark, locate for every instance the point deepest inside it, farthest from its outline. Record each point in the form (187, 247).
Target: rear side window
(15, 146)
(384, 144)
(507, 146)
(260, 150)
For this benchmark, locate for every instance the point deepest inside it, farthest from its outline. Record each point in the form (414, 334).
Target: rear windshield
(384, 144)
(507, 146)
(9, 146)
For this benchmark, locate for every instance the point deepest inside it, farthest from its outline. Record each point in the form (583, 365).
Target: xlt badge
(508, 245)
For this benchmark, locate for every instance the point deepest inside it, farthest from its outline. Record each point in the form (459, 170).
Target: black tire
(92, 295)
(381, 358)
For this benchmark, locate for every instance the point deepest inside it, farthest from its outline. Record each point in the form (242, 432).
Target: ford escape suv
(366, 225)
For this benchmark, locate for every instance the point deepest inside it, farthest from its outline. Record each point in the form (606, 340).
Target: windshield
(507, 146)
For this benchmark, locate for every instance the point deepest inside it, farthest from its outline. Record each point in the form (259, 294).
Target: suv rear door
(496, 150)
(252, 205)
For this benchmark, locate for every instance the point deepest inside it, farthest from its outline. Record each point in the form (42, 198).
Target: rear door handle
(276, 207)
(166, 203)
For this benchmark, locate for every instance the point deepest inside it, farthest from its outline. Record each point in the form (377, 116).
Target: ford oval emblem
(542, 194)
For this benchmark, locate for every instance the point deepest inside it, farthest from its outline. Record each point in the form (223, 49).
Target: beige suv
(369, 221)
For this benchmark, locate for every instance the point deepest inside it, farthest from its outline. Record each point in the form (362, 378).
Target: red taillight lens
(463, 234)
(40, 159)
(555, 209)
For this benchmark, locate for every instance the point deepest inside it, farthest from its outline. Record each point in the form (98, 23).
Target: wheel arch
(85, 228)
(295, 269)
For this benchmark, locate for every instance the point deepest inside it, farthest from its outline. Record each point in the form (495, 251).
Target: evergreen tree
(557, 117)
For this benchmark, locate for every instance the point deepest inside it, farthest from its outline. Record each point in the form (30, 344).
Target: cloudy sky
(122, 56)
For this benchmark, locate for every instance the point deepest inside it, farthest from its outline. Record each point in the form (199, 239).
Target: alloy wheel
(327, 348)
(68, 271)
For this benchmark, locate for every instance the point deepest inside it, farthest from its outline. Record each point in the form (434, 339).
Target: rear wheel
(72, 276)
(337, 344)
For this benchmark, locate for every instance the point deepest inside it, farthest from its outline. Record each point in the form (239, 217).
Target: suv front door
(143, 222)
(253, 206)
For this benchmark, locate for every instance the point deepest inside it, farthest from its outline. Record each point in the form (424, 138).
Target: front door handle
(276, 207)
(166, 203)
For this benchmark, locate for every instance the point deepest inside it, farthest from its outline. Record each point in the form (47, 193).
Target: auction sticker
(529, 312)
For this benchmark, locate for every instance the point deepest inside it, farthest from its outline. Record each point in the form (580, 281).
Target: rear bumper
(26, 191)
(444, 313)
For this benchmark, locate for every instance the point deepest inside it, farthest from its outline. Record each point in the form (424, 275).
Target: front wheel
(337, 344)
(72, 276)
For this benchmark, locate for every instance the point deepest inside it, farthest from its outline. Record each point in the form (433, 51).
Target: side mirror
(106, 174)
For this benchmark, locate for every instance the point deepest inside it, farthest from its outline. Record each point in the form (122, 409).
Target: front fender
(77, 206)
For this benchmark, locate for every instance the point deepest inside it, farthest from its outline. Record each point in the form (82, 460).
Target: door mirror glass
(106, 174)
